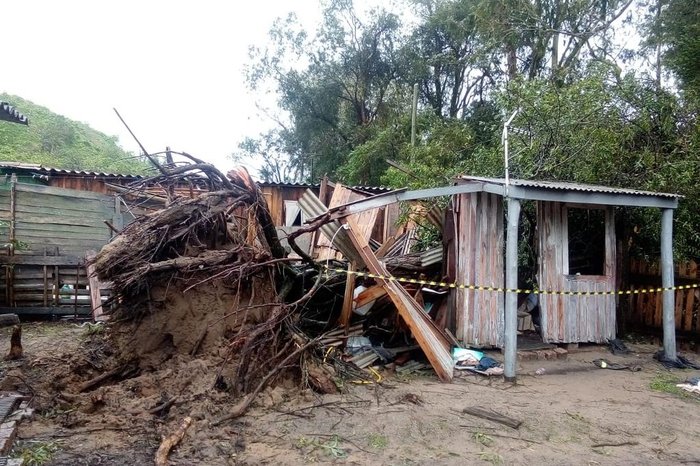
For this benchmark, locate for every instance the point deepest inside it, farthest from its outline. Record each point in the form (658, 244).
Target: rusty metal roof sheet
(10, 113)
(566, 186)
(48, 171)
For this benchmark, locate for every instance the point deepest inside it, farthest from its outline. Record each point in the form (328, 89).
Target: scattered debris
(681, 362)
(605, 364)
(617, 346)
(691, 385)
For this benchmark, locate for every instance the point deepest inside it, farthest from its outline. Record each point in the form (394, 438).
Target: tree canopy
(56, 141)
(591, 107)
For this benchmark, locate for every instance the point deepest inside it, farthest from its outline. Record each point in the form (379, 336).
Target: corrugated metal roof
(565, 186)
(272, 184)
(10, 113)
(43, 170)
(366, 189)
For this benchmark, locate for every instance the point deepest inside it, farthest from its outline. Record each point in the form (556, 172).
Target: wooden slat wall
(646, 309)
(478, 249)
(55, 222)
(71, 220)
(573, 319)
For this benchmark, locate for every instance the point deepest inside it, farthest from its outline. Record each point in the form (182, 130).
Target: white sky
(173, 69)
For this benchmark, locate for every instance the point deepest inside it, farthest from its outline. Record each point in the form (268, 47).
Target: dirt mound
(192, 322)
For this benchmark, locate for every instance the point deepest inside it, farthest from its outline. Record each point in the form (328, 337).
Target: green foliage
(56, 141)
(680, 30)
(36, 453)
(346, 95)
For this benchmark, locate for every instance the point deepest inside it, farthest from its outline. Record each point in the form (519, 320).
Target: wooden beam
(431, 339)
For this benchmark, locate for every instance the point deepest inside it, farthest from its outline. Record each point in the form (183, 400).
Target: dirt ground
(575, 413)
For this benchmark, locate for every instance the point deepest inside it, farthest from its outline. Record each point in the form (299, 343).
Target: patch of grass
(35, 453)
(666, 383)
(330, 447)
(91, 329)
(482, 439)
(576, 417)
(378, 441)
(491, 457)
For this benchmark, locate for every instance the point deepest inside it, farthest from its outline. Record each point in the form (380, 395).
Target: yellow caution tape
(462, 286)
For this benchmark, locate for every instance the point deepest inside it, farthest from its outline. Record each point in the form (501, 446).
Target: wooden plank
(346, 312)
(678, 311)
(98, 313)
(690, 305)
(46, 311)
(41, 260)
(60, 221)
(70, 193)
(432, 340)
(73, 210)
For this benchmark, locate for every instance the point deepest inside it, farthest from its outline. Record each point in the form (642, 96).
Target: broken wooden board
(370, 294)
(434, 343)
(365, 221)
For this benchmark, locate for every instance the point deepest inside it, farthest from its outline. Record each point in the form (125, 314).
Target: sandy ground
(575, 413)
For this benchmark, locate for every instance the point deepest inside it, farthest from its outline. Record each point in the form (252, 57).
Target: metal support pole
(667, 282)
(511, 299)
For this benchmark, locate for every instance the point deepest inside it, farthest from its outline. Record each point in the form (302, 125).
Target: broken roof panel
(10, 113)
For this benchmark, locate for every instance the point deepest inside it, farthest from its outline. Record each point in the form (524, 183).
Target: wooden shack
(478, 256)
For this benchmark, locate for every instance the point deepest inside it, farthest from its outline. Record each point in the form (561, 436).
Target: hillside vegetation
(56, 141)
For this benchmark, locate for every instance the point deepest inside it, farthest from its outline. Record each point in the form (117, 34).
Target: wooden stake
(170, 441)
(15, 344)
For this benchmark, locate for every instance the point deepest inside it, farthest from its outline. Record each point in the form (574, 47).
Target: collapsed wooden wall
(572, 318)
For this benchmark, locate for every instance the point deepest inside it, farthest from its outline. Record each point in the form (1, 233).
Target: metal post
(414, 111)
(667, 282)
(506, 155)
(511, 299)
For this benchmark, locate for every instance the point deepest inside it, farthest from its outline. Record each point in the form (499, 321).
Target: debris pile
(208, 275)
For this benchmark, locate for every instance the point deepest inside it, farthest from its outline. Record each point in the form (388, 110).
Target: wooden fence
(45, 233)
(646, 309)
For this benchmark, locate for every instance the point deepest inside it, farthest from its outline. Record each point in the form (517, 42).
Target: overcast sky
(173, 69)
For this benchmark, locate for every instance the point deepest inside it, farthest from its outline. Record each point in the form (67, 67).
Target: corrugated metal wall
(478, 247)
(571, 319)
